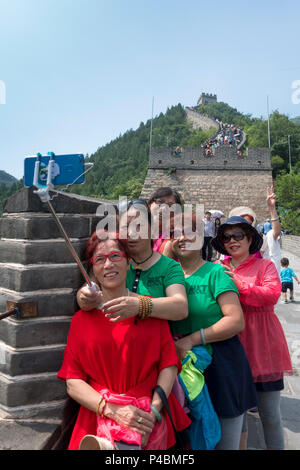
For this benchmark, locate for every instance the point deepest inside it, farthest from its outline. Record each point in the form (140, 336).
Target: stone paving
(289, 316)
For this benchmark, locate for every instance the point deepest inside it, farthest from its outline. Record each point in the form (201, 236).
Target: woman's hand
(183, 345)
(88, 298)
(131, 417)
(121, 308)
(271, 198)
(232, 277)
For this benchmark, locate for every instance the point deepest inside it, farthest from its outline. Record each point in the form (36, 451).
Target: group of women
(156, 303)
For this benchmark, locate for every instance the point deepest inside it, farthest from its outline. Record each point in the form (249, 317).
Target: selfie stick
(43, 193)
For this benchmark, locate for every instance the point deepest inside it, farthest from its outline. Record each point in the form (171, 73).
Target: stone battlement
(224, 158)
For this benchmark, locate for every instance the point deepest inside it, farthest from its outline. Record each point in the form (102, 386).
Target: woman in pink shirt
(263, 338)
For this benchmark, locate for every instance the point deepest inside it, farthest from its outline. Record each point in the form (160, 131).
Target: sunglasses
(237, 236)
(114, 256)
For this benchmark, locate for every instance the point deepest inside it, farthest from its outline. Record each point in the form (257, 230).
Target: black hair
(165, 191)
(284, 262)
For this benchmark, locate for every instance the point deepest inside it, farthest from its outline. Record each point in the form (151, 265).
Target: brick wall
(216, 189)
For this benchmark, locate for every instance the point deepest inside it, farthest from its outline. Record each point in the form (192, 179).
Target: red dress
(263, 337)
(124, 358)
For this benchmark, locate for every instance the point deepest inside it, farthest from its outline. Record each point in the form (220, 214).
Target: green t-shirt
(157, 278)
(203, 288)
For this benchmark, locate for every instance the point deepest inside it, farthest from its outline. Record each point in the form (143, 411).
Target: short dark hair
(165, 191)
(284, 262)
(100, 236)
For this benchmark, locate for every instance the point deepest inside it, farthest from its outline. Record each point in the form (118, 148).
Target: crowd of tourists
(227, 134)
(171, 350)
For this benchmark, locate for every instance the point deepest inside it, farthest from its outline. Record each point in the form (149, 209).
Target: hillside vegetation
(120, 166)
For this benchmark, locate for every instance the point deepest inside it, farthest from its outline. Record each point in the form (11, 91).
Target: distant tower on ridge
(206, 98)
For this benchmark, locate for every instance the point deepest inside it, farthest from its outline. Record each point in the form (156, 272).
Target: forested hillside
(120, 166)
(5, 178)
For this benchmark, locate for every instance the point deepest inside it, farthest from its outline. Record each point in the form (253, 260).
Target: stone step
(26, 333)
(50, 302)
(33, 360)
(31, 389)
(22, 278)
(39, 251)
(53, 409)
(43, 227)
(26, 200)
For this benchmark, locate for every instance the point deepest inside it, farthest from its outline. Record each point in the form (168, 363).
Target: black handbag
(181, 436)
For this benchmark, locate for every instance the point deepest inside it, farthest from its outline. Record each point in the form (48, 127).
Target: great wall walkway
(289, 316)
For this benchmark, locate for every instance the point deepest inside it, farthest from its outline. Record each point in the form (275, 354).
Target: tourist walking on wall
(263, 338)
(272, 250)
(287, 275)
(208, 235)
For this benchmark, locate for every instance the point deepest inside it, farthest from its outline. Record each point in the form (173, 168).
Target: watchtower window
(159, 161)
(192, 162)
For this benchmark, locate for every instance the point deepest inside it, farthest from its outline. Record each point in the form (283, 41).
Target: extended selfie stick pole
(43, 193)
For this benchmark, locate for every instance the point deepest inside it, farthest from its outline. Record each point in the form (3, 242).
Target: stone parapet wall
(220, 190)
(291, 243)
(200, 121)
(36, 266)
(225, 157)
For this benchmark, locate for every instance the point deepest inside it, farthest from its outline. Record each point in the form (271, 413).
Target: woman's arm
(228, 326)
(166, 379)
(172, 307)
(267, 293)
(126, 415)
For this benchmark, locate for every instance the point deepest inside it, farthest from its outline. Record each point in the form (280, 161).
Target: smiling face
(135, 228)
(189, 240)
(237, 248)
(110, 274)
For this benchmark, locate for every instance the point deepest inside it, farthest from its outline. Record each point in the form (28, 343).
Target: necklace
(189, 272)
(232, 265)
(138, 263)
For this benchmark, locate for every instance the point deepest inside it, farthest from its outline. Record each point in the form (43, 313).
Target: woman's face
(237, 248)
(111, 273)
(135, 227)
(188, 244)
(160, 212)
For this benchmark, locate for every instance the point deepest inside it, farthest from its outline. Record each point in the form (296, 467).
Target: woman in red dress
(263, 338)
(111, 368)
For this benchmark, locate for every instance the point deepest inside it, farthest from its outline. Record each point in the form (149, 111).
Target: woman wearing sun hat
(263, 338)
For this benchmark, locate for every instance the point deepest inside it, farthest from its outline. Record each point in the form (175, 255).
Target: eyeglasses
(124, 205)
(237, 236)
(114, 256)
(161, 203)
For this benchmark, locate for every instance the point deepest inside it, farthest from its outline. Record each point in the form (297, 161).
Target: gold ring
(140, 420)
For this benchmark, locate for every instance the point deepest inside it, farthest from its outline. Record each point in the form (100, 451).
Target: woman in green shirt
(215, 318)
(150, 273)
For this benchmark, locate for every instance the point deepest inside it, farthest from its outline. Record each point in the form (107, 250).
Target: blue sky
(77, 73)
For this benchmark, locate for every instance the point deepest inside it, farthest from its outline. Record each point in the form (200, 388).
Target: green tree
(287, 187)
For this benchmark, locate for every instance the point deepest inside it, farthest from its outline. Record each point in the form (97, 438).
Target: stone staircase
(36, 266)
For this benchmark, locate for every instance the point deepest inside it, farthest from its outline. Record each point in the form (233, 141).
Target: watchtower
(207, 98)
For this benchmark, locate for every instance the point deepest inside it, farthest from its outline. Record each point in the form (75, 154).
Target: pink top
(263, 338)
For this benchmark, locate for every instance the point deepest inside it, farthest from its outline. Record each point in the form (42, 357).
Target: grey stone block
(26, 201)
(31, 390)
(44, 227)
(39, 251)
(27, 434)
(35, 332)
(50, 302)
(35, 277)
(31, 361)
